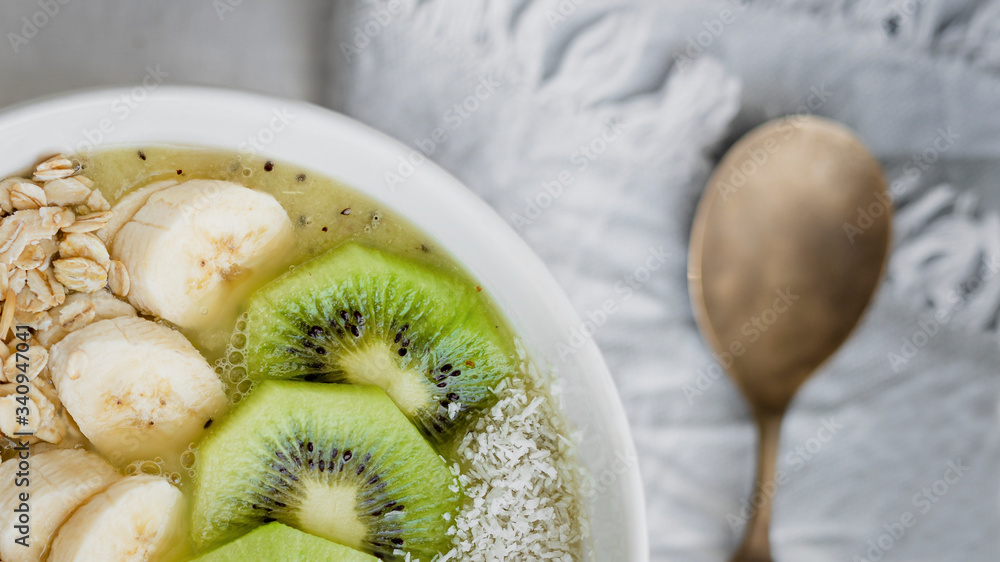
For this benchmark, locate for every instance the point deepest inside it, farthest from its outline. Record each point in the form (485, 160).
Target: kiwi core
(330, 511)
(377, 364)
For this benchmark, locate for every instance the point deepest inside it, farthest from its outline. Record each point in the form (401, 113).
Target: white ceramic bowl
(358, 156)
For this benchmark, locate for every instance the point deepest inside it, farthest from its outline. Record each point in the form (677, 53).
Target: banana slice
(127, 207)
(190, 243)
(136, 389)
(59, 481)
(139, 518)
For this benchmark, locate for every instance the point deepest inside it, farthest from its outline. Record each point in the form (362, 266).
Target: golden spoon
(787, 249)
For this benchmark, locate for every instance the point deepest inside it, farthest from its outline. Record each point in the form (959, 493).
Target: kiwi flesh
(364, 316)
(275, 541)
(337, 461)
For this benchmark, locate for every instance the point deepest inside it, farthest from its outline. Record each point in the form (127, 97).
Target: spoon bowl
(788, 246)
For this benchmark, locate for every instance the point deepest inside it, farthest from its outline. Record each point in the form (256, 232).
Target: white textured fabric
(592, 125)
(891, 427)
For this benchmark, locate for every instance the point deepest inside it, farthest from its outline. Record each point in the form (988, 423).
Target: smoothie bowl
(239, 328)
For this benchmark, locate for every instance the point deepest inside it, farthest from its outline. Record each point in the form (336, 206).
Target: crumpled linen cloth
(891, 450)
(592, 126)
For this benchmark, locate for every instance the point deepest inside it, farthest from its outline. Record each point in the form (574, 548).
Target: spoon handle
(756, 545)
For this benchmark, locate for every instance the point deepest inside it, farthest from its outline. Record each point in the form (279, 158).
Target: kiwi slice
(337, 461)
(275, 541)
(363, 316)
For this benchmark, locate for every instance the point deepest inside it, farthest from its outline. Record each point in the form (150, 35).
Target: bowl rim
(98, 103)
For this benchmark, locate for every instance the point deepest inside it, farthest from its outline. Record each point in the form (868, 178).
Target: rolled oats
(89, 222)
(51, 248)
(10, 229)
(57, 217)
(35, 359)
(56, 168)
(44, 385)
(8, 423)
(7, 316)
(77, 314)
(80, 274)
(97, 202)
(35, 320)
(53, 272)
(27, 195)
(33, 256)
(5, 205)
(53, 429)
(85, 245)
(28, 301)
(18, 279)
(105, 305)
(33, 228)
(46, 287)
(118, 279)
(43, 419)
(67, 192)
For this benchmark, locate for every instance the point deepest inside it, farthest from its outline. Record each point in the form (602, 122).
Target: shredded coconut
(522, 481)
